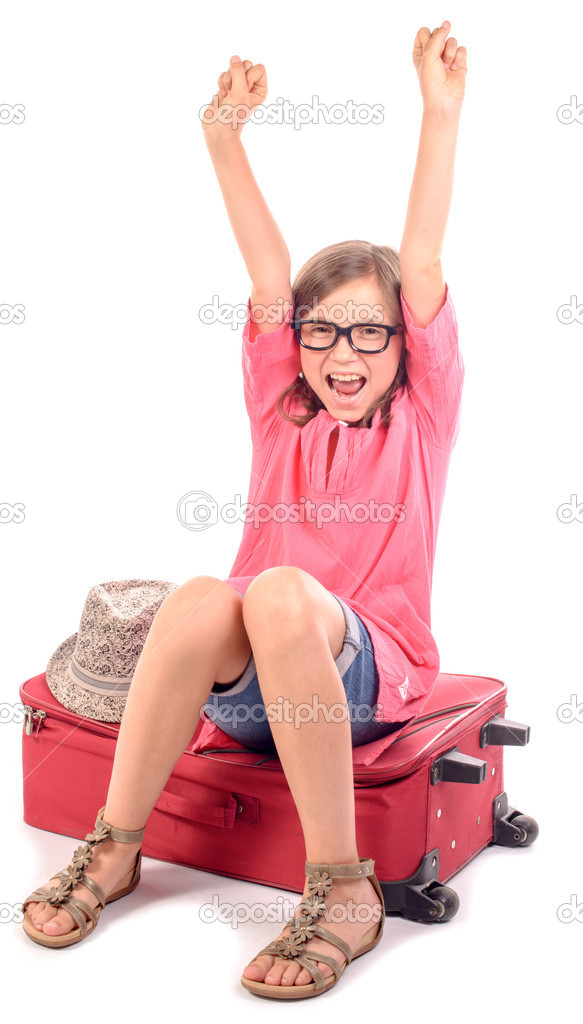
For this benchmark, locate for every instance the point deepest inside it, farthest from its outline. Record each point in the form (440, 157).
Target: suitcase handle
(220, 811)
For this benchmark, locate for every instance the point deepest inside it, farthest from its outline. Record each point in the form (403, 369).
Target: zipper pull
(39, 715)
(27, 719)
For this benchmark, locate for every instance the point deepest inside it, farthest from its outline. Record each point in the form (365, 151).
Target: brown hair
(327, 270)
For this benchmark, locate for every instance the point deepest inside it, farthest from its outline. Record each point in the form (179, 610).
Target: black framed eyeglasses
(321, 335)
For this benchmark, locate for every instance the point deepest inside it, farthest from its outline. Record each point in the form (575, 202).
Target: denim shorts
(240, 712)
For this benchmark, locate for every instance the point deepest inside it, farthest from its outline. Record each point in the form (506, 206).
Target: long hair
(327, 270)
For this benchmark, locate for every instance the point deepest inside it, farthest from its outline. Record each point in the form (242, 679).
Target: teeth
(345, 376)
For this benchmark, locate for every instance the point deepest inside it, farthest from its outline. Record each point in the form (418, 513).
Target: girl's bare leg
(197, 637)
(296, 629)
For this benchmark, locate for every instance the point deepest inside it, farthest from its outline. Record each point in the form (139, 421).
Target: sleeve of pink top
(270, 361)
(435, 371)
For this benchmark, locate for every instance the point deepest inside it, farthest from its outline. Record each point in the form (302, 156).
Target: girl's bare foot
(354, 896)
(111, 861)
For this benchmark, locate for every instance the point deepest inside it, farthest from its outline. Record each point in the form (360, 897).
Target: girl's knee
(203, 603)
(283, 595)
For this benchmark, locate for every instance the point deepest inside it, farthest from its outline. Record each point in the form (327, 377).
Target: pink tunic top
(369, 532)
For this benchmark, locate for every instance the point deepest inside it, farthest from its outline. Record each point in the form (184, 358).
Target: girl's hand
(243, 86)
(441, 66)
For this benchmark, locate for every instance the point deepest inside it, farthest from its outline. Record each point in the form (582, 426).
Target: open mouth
(345, 391)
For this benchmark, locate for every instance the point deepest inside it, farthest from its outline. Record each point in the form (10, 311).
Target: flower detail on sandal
(303, 931)
(70, 874)
(99, 835)
(312, 906)
(59, 894)
(82, 857)
(288, 947)
(319, 883)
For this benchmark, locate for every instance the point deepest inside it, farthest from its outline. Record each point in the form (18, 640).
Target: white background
(117, 400)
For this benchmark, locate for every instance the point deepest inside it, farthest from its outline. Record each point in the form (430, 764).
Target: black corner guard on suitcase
(454, 766)
(421, 897)
(424, 899)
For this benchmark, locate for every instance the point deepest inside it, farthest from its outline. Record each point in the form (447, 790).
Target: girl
(353, 382)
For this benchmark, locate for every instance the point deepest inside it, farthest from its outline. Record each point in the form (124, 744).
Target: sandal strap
(365, 866)
(94, 886)
(121, 835)
(313, 968)
(323, 958)
(39, 895)
(77, 902)
(335, 940)
(76, 913)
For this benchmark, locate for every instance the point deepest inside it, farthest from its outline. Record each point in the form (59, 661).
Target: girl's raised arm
(441, 67)
(260, 241)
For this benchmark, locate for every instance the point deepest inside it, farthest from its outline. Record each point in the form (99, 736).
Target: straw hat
(91, 672)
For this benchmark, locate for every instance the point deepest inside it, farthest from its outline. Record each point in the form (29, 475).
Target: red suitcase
(425, 807)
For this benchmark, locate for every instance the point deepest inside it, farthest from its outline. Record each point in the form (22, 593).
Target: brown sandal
(71, 876)
(303, 928)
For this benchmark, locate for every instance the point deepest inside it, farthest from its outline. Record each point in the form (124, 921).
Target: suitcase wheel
(447, 900)
(526, 829)
(510, 827)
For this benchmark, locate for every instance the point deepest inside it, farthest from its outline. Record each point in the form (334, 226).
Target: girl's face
(377, 368)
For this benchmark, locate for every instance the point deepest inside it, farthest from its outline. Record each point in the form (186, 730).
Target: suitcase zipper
(31, 713)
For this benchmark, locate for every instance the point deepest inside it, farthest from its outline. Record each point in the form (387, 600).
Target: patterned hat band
(91, 672)
(97, 683)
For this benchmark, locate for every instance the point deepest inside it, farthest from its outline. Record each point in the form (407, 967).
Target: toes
(257, 970)
(304, 977)
(60, 924)
(40, 913)
(266, 968)
(291, 973)
(275, 972)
